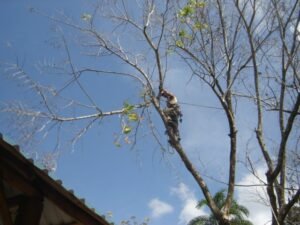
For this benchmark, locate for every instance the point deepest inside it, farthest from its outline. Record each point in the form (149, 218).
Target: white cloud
(255, 198)
(159, 208)
(189, 211)
(183, 192)
(189, 202)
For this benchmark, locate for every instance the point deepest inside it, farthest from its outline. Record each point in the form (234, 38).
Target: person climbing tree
(172, 113)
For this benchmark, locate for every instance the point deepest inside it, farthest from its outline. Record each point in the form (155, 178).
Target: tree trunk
(224, 222)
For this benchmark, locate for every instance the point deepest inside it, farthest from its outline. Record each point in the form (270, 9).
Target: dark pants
(172, 122)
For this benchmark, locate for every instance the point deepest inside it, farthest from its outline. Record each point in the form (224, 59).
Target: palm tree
(238, 213)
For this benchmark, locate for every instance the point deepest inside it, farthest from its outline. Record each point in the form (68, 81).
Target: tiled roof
(23, 180)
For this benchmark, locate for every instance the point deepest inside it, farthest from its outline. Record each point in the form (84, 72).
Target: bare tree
(250, 49)
(242, 50)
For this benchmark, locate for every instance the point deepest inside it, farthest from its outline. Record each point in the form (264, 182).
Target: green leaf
(117, 144)
(179, 44)
(196, 4)
(86, 16)
(182, 33)
(186, 11)
(133, 117)
(200, 26)
(200, 4)
(127, 129)
(128, 108)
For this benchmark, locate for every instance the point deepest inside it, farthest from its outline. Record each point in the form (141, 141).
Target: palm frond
(200, 220)
(240, 222)
(201, 203)
(238, 213)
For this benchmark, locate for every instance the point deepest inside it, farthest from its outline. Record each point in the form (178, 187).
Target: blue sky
(142, 181)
